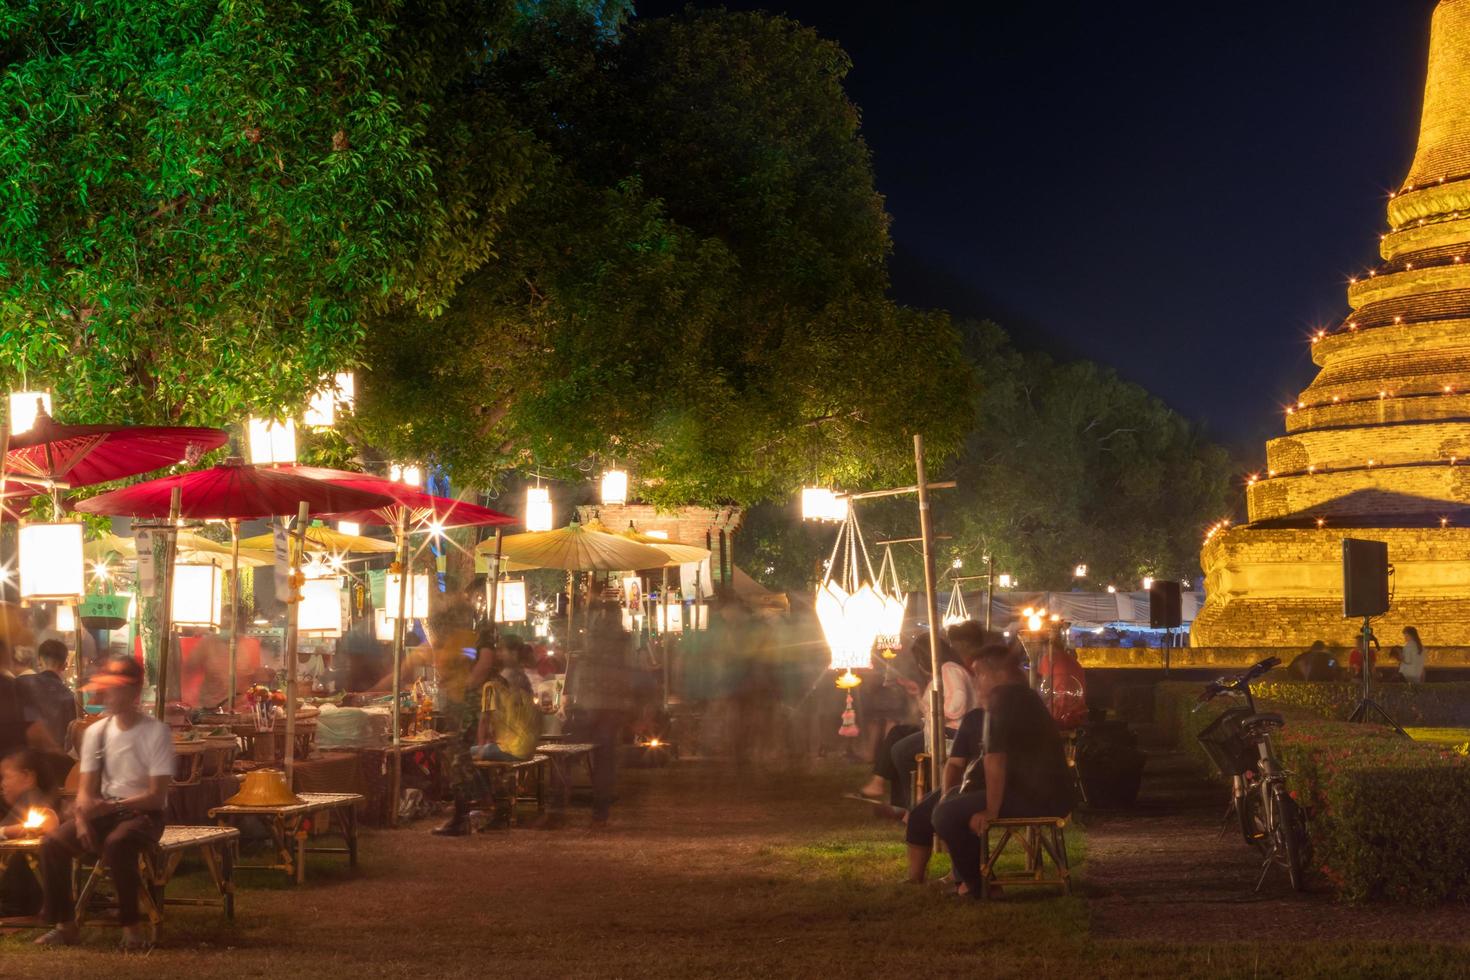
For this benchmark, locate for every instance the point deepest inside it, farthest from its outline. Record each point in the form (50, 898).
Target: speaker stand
(1367, 708)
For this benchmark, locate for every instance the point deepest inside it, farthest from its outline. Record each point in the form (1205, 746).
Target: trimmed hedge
(1429, 705)
(1389, 818)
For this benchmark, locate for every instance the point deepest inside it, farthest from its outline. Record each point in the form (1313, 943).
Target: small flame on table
(34, 819)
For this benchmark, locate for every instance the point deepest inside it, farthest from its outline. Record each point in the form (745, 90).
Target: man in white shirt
(127, 763)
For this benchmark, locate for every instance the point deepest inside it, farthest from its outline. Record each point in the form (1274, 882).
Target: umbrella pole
(495, 584)
(165, 633)
(399, 624)
(931, 600)
(234, 603)
(571, 616)
(293, 639)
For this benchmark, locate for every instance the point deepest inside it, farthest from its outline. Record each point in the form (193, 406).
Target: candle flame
(34, 819)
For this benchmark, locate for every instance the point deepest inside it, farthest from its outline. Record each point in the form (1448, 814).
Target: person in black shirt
(1025, 766)
(919, 825)
(21, 719)
(54, 701)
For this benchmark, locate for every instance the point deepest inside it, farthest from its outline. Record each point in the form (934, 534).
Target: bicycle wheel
(1251, 809)
(1291, 836)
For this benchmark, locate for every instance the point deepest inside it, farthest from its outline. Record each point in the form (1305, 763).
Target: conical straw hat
(264, 787)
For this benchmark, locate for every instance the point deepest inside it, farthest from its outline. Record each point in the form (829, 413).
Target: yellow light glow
(339, 392)
(66, 619)
(35, 818)
(415, 600)
(271, 442)
(320, 610)
(406, 473)
(614, 488)
(51, 563)
(822, 504)
(349, 527)
(25, 406)
(538, 509)
(197, 598)
(660, 534)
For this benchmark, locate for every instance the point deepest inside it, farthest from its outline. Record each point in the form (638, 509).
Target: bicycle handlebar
(1239, 683)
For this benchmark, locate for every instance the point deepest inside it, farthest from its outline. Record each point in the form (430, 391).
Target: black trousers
(884, 764)
(952, 823)
(120, 840)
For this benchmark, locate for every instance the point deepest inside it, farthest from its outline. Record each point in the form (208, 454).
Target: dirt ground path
(1164, 871)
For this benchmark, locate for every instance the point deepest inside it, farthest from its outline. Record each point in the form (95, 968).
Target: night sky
(1177, 190)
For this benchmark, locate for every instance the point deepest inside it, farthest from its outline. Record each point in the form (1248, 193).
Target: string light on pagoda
(1444, 522)
(1321, 522)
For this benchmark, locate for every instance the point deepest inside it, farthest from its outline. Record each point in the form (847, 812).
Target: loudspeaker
(1364, 578)
(1164, 607)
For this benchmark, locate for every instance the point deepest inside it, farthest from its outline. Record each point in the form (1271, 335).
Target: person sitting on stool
(127, 763)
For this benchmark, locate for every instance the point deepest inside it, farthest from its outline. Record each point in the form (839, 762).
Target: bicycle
(1238, 742)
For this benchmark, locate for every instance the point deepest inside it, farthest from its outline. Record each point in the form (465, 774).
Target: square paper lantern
(24, 406)
(538, 509)
(272, 443)
(66, 619)
(406, 473)
(382, 626)
(51, 564)
(510, 602)
(614, 488)
(349, 527)
(321, 411)
(822, 504)
(320, 611)
(670, 616)
(197, 595)
(415, 601)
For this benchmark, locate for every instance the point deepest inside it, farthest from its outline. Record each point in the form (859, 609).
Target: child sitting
(25, 785)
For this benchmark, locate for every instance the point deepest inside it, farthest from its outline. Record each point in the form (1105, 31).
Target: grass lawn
(704, 873)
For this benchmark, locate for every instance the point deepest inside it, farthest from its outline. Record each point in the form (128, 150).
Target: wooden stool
(1039, 837)
(919, 786)
(524, 779)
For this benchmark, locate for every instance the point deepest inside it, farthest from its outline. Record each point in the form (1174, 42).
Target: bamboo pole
(165, 615)
(399, 632)
(293, 638)
(234, 605)
(926, 531)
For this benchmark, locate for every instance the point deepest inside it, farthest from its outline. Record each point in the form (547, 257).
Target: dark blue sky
(1178, 190)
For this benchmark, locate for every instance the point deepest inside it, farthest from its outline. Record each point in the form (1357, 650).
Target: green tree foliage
(1064, 464)
(694, 284)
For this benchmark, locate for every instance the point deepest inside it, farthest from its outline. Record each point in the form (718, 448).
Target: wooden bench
(156, 866)
(1039, 837)
(289, 831)
(518, 782)
(562, 755)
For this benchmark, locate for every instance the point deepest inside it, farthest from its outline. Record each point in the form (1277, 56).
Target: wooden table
(382, 808)
(287, 822)
(561, 755)
(157, 864)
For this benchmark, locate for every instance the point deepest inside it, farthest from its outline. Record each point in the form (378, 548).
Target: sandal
(58, 937)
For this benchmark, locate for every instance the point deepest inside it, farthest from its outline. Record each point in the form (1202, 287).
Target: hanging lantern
(406, 473)
(955, 612)
(1080, 571)
(670, 614)
(822, 504)
(415, 601)
(538, 509)
(272, 443)
(51, 564)
(349, 527)
(849, 607)
(66, 619)
(510, 602)
(1035, 618)
(660, 534)
(382, 626)
(699, 616)
(895, 604)
(25, 407)
(1003, 581)
(321, 411)
(614, 488)
(197, 596)
(320, 610)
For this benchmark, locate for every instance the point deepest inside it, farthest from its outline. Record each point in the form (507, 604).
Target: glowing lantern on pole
(406, 473)
(849, 608)
(538, 509)
(1080, 571)
(321, 411)
(614, 488)
(66, 619)
(415, 601)
(895, 604)
(51, 564)
(197, 595)
(1035, 618)
(955, 612)
(272, 443)
(1003, 581)
(822, 504)
(24, 407)
(349, 527)
(670, 614)
(510, 602)
(320, 611)
(382, 626)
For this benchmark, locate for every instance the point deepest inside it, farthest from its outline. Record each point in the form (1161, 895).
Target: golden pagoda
(1378, 446)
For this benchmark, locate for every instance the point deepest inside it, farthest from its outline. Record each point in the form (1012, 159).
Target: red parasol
(233, 490)
(82, 455)
(421, 506)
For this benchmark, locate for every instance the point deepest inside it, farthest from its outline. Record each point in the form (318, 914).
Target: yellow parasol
(679, 554)
(321, 538)
(576, 548)
(193, 549)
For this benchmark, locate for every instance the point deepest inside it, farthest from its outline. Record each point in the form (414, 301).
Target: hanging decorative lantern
(320, 611)
(382, 626)
(415, 601)
(51, 565)
(849, 607)
(955, 612)
(25, 406)
(614, 488)
(670, 614)
(1035, 618)
(1003, 581)
(1080, 571)
(699, 616)
(510, 601)
(406, 473)
(538, 509)
(895, 605)
(349, 527)
(272, 443)
(66, 619)
(340, 392)
(197, 595)
(822, 504)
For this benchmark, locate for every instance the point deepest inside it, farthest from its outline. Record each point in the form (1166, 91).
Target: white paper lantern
(822, 504)
(406, 473)
(955, 612)
(197, 595)
(538, 509)
(895, 603)
(382, 626)
(415, 601)
(510, 602)
(614, 488)
(51, 564)
(24, 407)
(320, 611)
(272, 443)
(321, 411)
(851, 623)
(699, 616)
(66, 618)
(349, 527)
(1003, 581)
(669, 616)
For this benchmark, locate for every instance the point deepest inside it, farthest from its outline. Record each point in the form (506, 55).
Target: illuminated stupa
(1378, 446)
